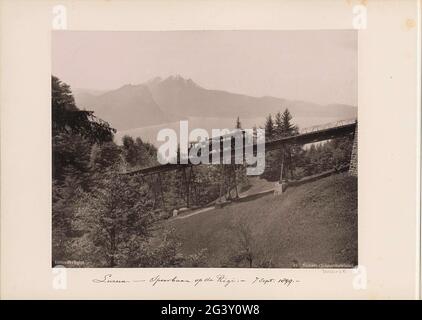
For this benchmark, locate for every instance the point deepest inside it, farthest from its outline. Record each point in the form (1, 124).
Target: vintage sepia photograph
(205, 149)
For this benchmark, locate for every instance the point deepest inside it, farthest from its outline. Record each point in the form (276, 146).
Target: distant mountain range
(163, 101)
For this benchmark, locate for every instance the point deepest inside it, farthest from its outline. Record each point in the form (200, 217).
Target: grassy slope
(315, 223)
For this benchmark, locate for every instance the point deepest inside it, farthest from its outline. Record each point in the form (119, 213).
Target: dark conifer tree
(269, 128)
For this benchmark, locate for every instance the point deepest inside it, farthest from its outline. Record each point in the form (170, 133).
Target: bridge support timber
(279, 186)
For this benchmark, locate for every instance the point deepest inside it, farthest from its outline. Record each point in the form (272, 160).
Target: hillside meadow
(309, 226)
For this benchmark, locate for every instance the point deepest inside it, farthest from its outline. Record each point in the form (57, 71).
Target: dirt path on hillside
(258, 186)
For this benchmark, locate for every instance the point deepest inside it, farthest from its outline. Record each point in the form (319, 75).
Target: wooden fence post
(279, 186)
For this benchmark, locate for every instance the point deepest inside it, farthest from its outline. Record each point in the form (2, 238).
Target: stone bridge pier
(353, 168)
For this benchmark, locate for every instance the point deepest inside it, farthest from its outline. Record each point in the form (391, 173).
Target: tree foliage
(138, 154)
(67, 118)
(102, 217)
(281, 127)
(298, 161)
(269, 128)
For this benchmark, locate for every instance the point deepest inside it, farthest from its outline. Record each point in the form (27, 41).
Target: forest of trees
(104, 218)
(101, 217)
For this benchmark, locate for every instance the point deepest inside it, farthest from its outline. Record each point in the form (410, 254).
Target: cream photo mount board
(388, 90)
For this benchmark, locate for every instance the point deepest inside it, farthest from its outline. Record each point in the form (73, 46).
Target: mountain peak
(161, 100)
(154, 80)
(175, 80)
(178, 79)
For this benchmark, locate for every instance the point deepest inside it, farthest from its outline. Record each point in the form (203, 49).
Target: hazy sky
(314, 66)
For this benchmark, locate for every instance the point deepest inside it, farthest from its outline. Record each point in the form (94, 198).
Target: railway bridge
(305, 136)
